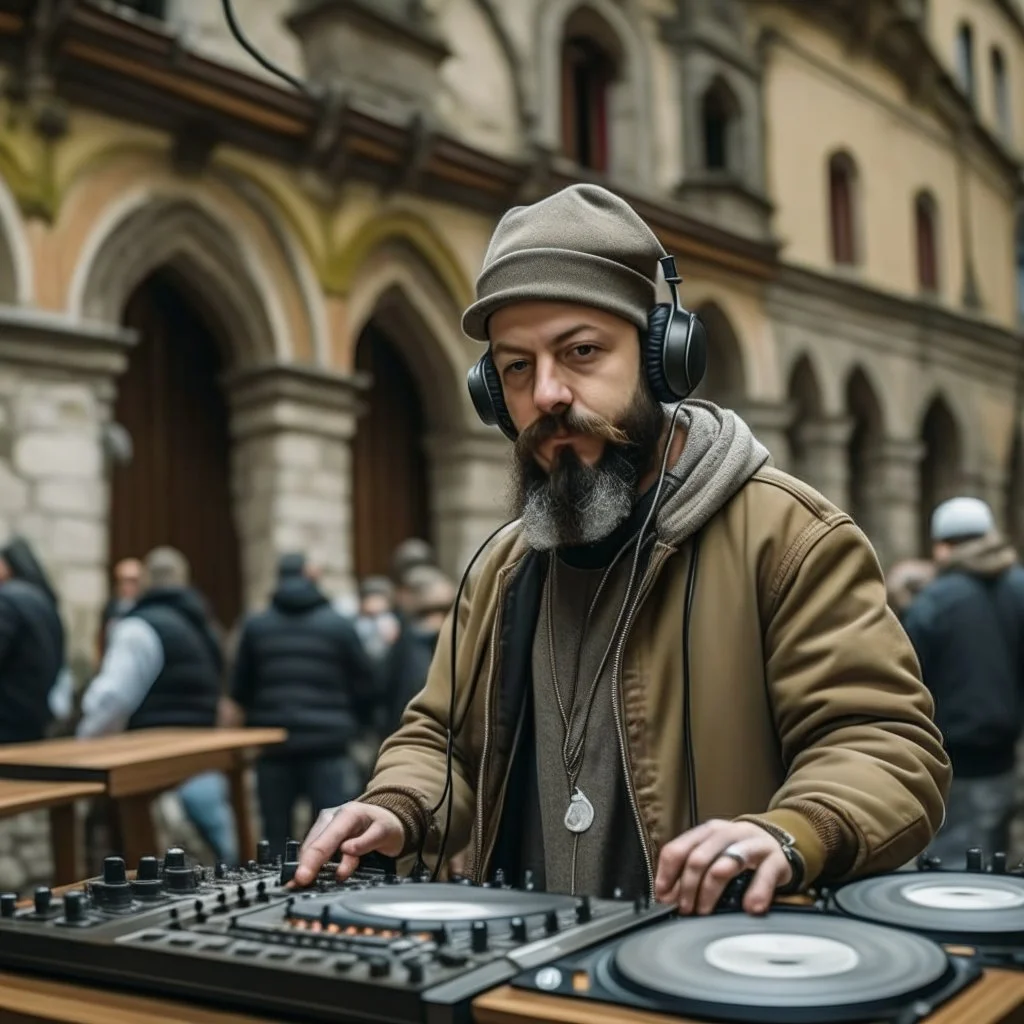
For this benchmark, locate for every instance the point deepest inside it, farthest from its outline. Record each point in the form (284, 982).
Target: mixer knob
(291, 850)
(617, 893)
(113, 891)
(551, 922)
(261, 893)
(975, 861)
(251, 866)
(478, 936)
(391, 878)
(380, 967)
(583, 912)
(999, 863)
(243, 899)
(220, 870)
(42, 898)
(8, 904)
(148, 870)
(518, 929)
(263, 858)
(927, 862)
(174, 924)
(528, 881)
(415, 971)
(290, 862)
(499, 878)
(178, 875)
(200, 912)
(74, 907)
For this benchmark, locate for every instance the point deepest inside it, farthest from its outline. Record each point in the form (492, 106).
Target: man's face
(588, 426)
(128, 579)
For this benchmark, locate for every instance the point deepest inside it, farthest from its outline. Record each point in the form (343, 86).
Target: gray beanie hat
(583, 245)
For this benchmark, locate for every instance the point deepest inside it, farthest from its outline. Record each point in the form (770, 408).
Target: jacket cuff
(809, 841)
(408, 807)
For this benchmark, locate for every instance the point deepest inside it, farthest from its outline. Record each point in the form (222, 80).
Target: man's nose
(551, 395)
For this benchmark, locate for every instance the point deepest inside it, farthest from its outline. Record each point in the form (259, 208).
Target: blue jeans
(325, 781)
(207, 806)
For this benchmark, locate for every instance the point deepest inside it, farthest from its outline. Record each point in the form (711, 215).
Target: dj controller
(395, 950)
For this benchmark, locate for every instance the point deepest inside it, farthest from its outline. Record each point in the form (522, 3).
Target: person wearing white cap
(967, 627)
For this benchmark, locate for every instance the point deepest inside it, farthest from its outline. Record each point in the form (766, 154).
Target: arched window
(965, 59)
(720, 116)
(842, 193)
(927, 241)
(1001, 93)
(588, 73)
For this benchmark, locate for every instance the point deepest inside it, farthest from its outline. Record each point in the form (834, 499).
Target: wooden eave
(135, 72)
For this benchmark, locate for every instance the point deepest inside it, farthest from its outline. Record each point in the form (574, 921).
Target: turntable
(792, 966)
(976, 912)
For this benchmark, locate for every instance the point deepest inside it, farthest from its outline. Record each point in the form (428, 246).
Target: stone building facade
(263, 287)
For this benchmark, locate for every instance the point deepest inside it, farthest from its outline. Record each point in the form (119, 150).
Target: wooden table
(134, 767)
(19, 797)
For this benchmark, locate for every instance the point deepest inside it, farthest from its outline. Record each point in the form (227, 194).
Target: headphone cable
(236, 31)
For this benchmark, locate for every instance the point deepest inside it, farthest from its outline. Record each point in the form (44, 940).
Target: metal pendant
(579, 815)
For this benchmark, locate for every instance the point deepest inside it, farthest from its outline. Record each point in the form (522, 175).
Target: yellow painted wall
(820, 98)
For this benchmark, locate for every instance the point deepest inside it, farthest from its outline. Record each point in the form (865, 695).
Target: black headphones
(674, 349)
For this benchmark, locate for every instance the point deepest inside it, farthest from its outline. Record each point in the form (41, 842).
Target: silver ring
(733, 853)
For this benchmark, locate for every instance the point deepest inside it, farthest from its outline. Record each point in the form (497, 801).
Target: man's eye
(584, 350)
(516, 366)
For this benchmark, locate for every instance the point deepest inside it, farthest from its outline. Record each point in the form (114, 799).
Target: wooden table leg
(64, 843)
(243, 816)
(138, 836)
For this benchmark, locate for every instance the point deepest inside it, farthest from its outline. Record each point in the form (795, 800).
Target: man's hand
(693, 869)
(357, 829)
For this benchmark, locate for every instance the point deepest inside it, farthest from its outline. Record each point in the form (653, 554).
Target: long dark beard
(574, 503)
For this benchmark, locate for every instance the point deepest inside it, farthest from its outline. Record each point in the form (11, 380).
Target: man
(300, 666)
(638, 717)
(431, 595)
(967, 628)
(31, 647)
(376, 622)
(163, 668)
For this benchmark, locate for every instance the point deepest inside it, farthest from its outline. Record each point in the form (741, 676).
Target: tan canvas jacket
(807, 704)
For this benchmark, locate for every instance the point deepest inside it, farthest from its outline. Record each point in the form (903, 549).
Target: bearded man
(628, 716)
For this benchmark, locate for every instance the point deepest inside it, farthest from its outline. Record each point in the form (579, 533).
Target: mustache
(571, 421)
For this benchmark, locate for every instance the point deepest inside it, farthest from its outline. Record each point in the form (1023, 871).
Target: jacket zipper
(482, 780)
(652, 569)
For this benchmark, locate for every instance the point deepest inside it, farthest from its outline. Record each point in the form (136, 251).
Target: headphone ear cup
(652, 349)
(487, 396)
(696, 352)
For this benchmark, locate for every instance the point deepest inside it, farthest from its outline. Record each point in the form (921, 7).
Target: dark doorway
(177, 489)
(941, 465)
(391, 487)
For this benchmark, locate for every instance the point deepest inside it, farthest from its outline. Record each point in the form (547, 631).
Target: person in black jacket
(163, 668)
(31, 645)
(300, 666)
(967, 627)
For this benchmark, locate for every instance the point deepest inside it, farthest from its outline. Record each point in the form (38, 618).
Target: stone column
(989, 482)
(770, 422)
(825, 464)
(56, 397)
(469, 483)
(291, 470)
(899, 498)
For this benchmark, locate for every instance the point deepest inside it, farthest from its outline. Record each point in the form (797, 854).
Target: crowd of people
(334, 674)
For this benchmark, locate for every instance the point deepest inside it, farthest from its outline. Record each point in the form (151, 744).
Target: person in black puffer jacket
(967, 627)
(31, 645)
(300, 666)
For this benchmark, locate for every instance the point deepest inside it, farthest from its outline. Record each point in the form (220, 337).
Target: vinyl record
(950, 906)
(731, 966)
(428, 907)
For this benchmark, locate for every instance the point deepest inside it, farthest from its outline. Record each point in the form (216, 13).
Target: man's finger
(699, 861)
(722, 870)
(368, 841)
(323, 819)
(348, 822)
(672, 858)
(773, 872)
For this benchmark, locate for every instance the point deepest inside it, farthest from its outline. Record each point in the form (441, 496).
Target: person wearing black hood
(31, 645)
(301, 666)
(162, 669)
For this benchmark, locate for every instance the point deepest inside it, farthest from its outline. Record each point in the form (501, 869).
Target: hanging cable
(236, 31)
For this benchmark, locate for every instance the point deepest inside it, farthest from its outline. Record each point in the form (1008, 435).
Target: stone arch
(864, 452)
(630, 155)
(489, 9)
(942, 462)
(16, 263)
(412, 305)
(726, 378)
(416, 234)
(806, 400)
(147, 231)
